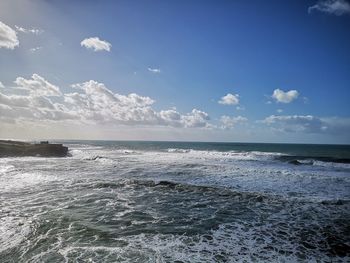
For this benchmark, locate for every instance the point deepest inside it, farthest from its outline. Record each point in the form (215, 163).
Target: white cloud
(229, 99)
(171, 117)
(308, 124)
(154, 70)
(14, 100)
(34, 31)
(285, 97)
(35, 104)
(92, 103)
(229, 122)
(99, 104)
(195, 119)
(96, 44)
(37, 86)
(35, 49)
(335, 7)
(8, 37)
(279, 110)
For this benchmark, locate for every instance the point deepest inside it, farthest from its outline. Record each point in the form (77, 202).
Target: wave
(177, 150)
(4, 168)
(94, 153)
(125, 151)
(180, 186)
(235, 191)
(315, 160)
(231, 193)
(259, 155)
(103, 156)
(233, 155)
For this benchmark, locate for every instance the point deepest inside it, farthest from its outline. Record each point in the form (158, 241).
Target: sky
(236, 71)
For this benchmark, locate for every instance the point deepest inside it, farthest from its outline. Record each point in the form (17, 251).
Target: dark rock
(339, 202)
(18, 149)
(332, 202)
(308, 245)
(295, 162)
(166, 183)
(337, 246)
(259, 198)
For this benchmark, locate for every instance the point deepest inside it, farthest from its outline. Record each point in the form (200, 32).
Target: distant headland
(9, 148)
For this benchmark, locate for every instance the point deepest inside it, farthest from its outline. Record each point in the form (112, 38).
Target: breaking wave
(129, 204)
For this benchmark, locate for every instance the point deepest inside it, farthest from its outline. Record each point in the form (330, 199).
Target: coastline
(10, 148)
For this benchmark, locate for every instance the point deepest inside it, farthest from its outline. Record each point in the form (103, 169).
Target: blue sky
(185, 56)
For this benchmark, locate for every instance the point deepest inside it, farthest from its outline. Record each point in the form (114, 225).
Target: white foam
(178, 150)
(238, 155)
(332, 165)
(257, 172)
(13, 231)
(24, 180)
(234, 242)
(5, 168)
(247, 171)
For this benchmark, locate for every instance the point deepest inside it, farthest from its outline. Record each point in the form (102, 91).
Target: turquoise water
(177, 202)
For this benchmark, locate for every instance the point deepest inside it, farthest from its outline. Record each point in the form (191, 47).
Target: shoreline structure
(10, 148)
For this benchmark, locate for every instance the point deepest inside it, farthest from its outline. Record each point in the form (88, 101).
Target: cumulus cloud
(98, 103)
(229, 99)
(195, 119)
(171, 118)
(285, 97)
(90, 102)
(34, 31)
(37, 86)
(309, 124)
(154, 70)
(35, 104)
(229, 122)
(96, 44)
(8, 37)
(335, 7)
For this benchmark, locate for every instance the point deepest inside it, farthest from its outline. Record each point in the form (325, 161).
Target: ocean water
(177, 202)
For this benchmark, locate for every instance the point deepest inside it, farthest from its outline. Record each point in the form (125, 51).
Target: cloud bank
(8, 37)
(334, 7)
(36, 101)
(96, 44)
(90, 102)
(309, 124)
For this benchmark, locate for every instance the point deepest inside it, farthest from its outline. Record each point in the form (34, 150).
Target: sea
(136, 201)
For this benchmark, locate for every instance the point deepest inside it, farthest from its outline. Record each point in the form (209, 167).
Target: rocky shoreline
(9, 148)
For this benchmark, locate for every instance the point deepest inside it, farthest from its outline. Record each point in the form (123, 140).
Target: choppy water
(177, 202)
